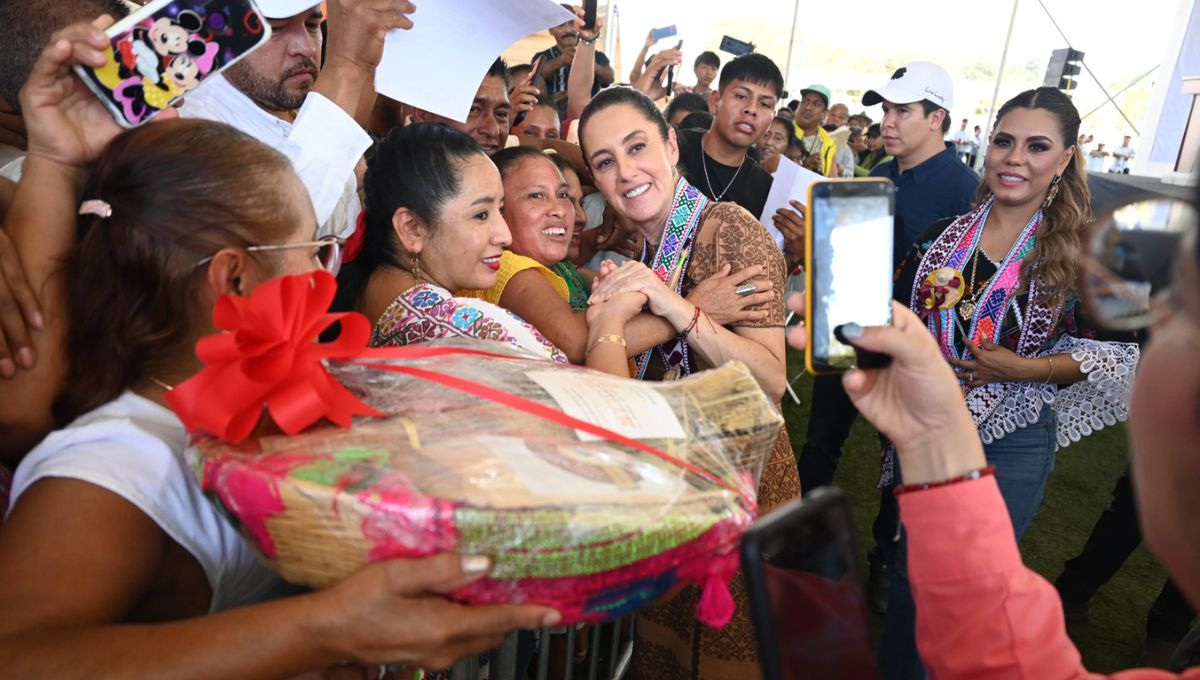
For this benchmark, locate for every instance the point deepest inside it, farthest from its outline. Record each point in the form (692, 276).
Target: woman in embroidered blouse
(1025, 354)
(997, 288)
(632, 155)
(432, 225)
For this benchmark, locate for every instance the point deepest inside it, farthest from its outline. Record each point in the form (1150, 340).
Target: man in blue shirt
(931, 183)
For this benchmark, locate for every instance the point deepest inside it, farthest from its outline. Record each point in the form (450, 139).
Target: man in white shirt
(1097, 158)
(1121, 157)
(274, 95)
(963, 140)
(976, 146)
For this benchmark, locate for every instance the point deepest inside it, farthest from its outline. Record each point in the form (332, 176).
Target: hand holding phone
(535, 69)
(589, 15)
(848, 273)
(64, 121)
(671, 72)
(166, 49)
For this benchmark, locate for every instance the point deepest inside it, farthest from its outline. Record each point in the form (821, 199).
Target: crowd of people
(577, 219)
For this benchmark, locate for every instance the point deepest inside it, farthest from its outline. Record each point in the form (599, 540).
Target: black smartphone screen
(589, 14)
(806, 599)
(849, 270)
(735, 47)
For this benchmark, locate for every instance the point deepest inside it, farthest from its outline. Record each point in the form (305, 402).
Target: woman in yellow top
(539, 213)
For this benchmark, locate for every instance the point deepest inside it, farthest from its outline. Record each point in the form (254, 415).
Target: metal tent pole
(1012, 22)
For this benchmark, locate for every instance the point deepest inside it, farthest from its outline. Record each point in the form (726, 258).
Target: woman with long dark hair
(633, 155)
(997, 288)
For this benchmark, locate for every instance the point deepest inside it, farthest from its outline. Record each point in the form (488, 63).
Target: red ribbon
(354, 243)
(268, 355)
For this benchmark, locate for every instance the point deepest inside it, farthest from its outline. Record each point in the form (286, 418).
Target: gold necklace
(966, 308)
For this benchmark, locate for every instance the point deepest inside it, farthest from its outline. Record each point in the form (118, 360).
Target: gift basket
(592, 494)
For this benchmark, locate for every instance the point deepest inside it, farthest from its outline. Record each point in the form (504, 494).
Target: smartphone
(671, 73)
(589, 15)
(848, 269)
(735, 47)
(803, 577)
(535, 69)
(664, 32)
(167, 48)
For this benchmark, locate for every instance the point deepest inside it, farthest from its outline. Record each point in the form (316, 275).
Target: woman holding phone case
(632, 154)
(997, 288)
(981, 613)
(117, 564)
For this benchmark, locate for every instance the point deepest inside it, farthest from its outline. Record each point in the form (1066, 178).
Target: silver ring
(970, 376)
(745, 289)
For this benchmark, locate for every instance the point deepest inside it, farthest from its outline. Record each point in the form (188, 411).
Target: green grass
(1078, 491)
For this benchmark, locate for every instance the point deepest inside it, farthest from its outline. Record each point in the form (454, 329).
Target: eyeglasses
(328, 255)
(1125, 267)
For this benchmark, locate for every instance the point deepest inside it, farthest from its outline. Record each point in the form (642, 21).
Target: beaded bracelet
(968, 477)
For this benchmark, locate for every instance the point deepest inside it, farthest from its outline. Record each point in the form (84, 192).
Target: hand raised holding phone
(64, 121)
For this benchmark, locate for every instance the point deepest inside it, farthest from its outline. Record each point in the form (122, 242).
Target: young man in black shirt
(718, 161)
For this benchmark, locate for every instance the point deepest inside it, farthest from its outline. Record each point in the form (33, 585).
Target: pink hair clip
(96, 207)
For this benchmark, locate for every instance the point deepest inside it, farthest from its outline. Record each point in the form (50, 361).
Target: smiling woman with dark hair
(997, 288)
(633, 154)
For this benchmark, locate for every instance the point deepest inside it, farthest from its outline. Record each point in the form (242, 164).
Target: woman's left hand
(992, 364)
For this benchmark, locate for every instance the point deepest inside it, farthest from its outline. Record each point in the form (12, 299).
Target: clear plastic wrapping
(593, 527)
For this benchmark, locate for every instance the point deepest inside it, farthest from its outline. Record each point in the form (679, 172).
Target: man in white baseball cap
(931, 185)
(282, 95)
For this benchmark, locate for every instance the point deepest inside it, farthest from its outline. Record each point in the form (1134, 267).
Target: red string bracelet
(968, 477)
(691, 326)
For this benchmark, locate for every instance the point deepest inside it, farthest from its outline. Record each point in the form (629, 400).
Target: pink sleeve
(980, 613)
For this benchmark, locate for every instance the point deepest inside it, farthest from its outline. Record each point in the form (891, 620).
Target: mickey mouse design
(149, 49)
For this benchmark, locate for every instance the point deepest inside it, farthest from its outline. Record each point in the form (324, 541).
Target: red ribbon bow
(268, 356)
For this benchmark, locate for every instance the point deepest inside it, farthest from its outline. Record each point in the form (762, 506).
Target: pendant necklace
(708, 181)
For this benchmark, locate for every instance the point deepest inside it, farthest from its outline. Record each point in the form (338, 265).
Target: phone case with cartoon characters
(167, 48)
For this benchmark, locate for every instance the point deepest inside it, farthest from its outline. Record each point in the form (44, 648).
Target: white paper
(624, 406)
(560, 471)
(791, 184)
(438, 64)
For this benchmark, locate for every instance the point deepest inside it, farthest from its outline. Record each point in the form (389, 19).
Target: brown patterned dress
(671, 643)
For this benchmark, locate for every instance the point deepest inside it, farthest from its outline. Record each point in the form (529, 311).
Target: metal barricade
(609, 654)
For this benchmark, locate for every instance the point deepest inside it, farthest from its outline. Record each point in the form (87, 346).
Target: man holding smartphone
(716, 161)
(282, 95)
(931, 184)
(556, 66)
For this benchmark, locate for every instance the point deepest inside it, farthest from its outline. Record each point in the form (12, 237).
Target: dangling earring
(1053, 193)
(416, 267)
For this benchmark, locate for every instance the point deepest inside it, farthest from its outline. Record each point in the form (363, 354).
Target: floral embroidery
(426, 298)
(464, 318)
(428, 313)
